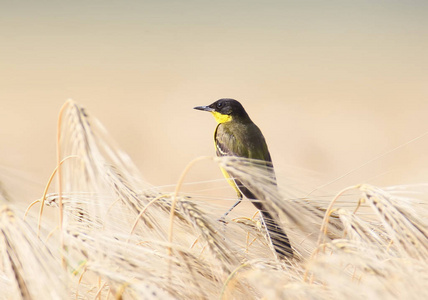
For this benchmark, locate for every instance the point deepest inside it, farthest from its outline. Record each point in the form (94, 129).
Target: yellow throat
(220, 118)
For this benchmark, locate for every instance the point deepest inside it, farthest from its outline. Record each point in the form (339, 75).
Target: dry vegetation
(121, 238)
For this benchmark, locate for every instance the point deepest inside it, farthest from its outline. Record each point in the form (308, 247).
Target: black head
(226, 107)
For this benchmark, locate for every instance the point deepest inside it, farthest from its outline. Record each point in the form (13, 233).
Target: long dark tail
(277, 235)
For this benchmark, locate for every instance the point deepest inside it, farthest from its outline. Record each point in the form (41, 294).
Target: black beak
(205, 108)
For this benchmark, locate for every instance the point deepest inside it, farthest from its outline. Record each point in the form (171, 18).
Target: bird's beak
(205, 108)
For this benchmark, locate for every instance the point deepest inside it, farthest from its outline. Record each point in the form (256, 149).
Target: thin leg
(230, 209)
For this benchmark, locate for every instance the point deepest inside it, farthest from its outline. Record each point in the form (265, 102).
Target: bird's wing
(246, 142)
(243, 142)
(222, 149)
(224, 143)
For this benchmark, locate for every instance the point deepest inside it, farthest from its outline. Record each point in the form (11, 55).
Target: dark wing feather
(242, 140)
(222, 150)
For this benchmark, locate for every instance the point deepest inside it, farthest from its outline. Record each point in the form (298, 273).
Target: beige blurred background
(331, 84)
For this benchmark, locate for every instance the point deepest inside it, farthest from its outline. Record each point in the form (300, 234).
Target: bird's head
(226, 110)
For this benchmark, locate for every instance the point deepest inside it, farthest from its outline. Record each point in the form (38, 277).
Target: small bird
(237, 135)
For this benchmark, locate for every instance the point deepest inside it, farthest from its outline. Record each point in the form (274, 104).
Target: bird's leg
(233, 206)
(230, 209)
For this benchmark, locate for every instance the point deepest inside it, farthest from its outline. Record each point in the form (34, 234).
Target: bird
(237, 135)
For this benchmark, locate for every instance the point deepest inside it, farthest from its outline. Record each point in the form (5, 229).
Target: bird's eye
(220, 105)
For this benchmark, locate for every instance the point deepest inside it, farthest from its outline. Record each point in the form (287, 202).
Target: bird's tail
(277, 235)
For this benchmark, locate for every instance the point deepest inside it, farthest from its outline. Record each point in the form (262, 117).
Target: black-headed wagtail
(237, 135)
